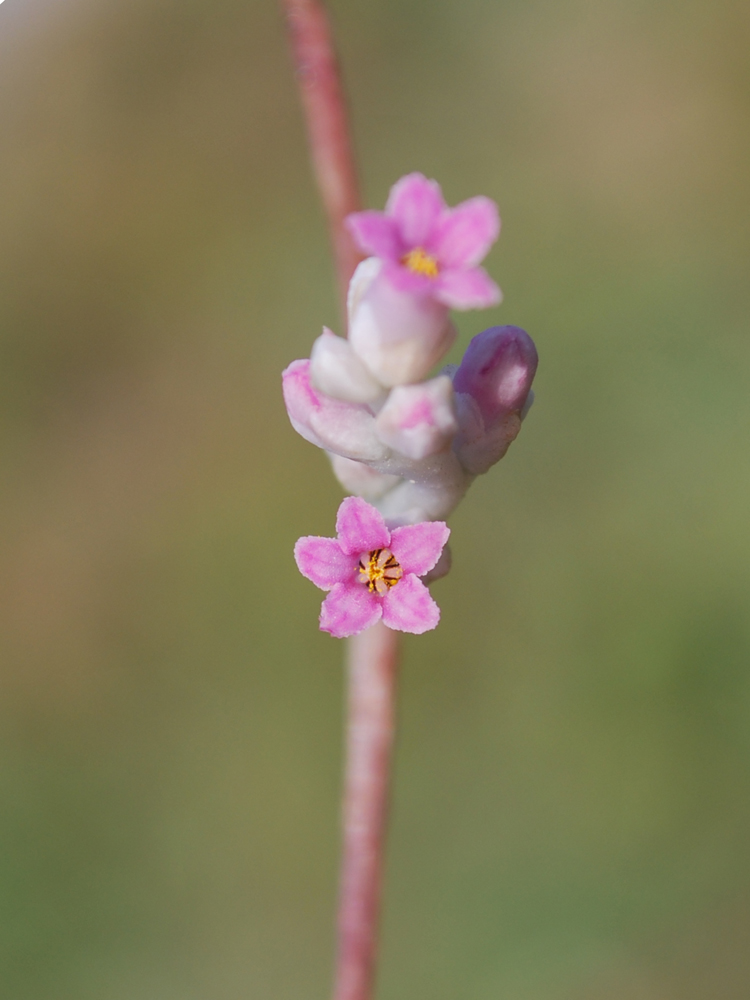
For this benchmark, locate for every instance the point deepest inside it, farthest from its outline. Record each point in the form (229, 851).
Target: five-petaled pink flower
(430, 249)
(372, 572)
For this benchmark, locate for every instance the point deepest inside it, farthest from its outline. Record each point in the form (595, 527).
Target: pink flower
(430, 249)
(372, 572)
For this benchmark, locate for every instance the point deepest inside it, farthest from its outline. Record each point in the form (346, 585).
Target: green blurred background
(572, 797)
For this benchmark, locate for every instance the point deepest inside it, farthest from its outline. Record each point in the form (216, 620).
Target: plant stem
(372, 655)
(328, 129)
(370, 726)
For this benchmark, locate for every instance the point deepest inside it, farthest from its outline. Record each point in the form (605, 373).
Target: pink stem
(327, 127)
(373, 654)
(371, 720)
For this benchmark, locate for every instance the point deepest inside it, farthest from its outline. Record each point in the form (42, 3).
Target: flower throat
(379, 570)
(420, 262)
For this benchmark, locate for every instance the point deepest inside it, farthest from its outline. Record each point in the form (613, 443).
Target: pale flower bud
(400, 336)
(419, 420)
(428, 491)
(337, 371)
(361, 479)
(344, 428)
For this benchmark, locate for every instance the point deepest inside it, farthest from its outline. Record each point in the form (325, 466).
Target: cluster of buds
(408, 445)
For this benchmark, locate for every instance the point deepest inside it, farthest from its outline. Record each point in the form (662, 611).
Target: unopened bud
(419, 420)
(400, 336)
(497, 371)
(343, 428)
(361, 480)
(337, 371)
(493, 394)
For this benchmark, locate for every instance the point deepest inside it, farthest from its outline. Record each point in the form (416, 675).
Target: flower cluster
(410, 445)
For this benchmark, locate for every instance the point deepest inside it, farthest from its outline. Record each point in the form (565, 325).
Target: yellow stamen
(379, 571)
(420, 262)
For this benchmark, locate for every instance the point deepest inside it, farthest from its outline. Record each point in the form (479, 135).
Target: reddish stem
(370, 726)
(328, 130)
(373, 654)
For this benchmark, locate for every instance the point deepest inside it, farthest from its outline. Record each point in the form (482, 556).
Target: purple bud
(497, 371)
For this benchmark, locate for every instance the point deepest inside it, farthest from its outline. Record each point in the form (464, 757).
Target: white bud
(362, 480)
(347, 429)
(419, 420)
(337, 371)
(429, 490)
(398, 335)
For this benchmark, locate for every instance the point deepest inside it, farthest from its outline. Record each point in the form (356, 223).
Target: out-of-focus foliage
(571, 812)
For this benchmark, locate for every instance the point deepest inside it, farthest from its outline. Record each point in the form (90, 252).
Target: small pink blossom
(430, 249)
(372, 572)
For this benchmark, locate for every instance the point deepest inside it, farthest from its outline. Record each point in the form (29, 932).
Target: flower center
(379, 570)
(420, 262)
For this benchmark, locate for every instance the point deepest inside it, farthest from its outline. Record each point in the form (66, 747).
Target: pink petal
(322, 561)
(376, 233)
(472, 289)
(405, 280)
(349, 609)
(417, 547)
(360, 527)
(465, 233)
(408, 607)
(416, 204)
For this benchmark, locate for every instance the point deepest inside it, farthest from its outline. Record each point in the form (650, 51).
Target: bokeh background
(572, 799)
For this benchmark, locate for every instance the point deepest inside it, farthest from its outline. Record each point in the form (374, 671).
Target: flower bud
(337, 371)
(362, 480)
(433, 489)
(419, 420)
(343, 428)
(493, 394)
(479, 454)
(497, 371)
(400, 336)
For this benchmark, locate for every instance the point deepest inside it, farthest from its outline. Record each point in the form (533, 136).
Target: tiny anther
(420, 262)
(379, 570)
